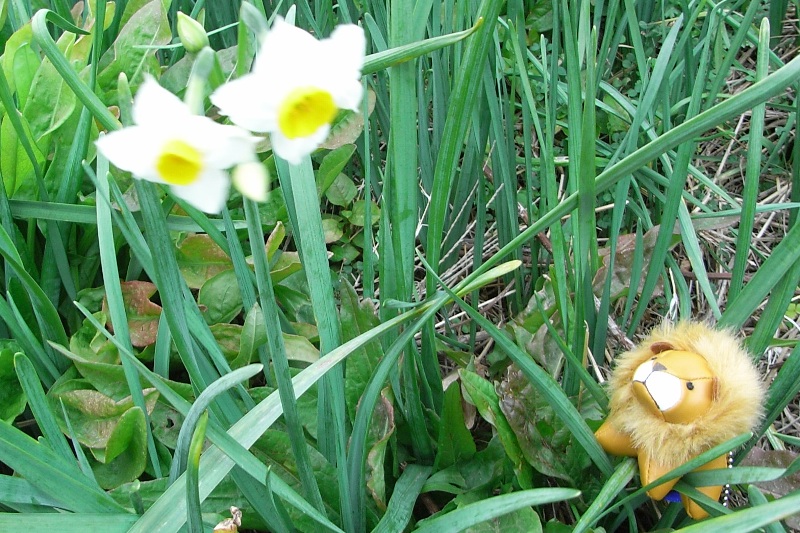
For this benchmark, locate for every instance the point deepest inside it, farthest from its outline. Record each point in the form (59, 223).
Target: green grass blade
(382, 60)
(48, 472)
(116, 305)
(68, 522)
(299, 179)
(463, 100)
(277, 350)
(752, 172)
(404, 497)
(613, 486)
(542, 381)
(750, 519)
(771, 86)
(193, 512)
(783, 258)
(187, 432)
(84, 93)
(41, 407)
(490, 508)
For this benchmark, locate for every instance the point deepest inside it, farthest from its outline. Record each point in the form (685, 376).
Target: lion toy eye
(690, 385)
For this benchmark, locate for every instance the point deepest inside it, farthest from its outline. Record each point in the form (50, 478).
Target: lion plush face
(675, 385)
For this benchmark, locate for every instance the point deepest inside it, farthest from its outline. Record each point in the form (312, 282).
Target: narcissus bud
(252, 180)
(191, 33)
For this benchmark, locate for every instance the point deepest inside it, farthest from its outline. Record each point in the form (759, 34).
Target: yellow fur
(737, 408)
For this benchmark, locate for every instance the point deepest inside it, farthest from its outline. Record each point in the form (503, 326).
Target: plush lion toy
(683, 390)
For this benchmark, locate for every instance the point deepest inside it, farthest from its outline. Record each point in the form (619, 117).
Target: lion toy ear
(661, 346)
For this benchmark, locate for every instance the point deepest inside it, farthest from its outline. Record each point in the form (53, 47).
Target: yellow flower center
(304, 111)
(179, 163)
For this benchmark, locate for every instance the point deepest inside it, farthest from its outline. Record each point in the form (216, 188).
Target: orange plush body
(685, 389)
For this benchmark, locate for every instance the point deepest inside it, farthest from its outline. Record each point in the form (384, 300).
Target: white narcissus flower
(171, 145)
(297, 86)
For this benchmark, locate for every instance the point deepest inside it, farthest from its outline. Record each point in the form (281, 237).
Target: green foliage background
(400, 337)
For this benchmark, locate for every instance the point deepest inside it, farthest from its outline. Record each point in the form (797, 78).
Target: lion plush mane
(737, 401)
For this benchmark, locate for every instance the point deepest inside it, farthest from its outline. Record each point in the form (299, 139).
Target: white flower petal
(293, 150)
(222, 146)
(347, 94)
(346, 48)
(209, 193)
(251, 180)
(154, 105)
(134, 149)
(287, 48)
(247, 102)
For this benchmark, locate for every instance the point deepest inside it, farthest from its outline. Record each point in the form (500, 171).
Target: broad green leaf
(275, 239)
(12, 397)
(299, 349)
(287, 264)
(341, 191)
(380, 431)
(543, 438)
(357, 215)
(19, 39)
(25, 65)
(167, 422)
(357, 316)
(91, 345)
(132, 52)
(332, 229)
(200, 259)
(220, 297)
(93, 415)
(51, 102)
(15, 165)
(126, 454)
(143, 314)
(455, 445)
(480, 393)
(332, 164)
(274, 450)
